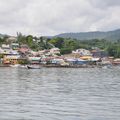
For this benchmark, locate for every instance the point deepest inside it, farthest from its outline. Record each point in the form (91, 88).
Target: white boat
(23, 66)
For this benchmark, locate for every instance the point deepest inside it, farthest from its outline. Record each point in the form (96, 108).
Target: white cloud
(50, 17)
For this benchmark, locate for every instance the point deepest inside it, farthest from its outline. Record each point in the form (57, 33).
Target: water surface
(60, 94)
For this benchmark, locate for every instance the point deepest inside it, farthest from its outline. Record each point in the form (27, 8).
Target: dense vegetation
(35, 43)
(66, 45)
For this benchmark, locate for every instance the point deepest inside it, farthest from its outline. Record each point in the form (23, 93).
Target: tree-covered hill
(110, 35)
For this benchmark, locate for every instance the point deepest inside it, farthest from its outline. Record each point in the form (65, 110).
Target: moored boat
(33, 67)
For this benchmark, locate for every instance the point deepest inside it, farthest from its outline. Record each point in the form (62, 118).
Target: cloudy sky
(51, 17)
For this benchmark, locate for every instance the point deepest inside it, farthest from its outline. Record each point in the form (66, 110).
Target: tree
(65, 50)
(57, 42)
(29, 40)
(21, 38)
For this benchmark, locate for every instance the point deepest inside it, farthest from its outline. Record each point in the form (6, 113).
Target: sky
(52, 17)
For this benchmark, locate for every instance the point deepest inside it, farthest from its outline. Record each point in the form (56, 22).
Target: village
(14, 54)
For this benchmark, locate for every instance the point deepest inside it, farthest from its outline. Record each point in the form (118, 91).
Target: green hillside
(110, 35)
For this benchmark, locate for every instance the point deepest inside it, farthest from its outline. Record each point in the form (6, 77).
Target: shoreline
(63, 66)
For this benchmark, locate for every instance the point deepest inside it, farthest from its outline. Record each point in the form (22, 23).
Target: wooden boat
(33, 67)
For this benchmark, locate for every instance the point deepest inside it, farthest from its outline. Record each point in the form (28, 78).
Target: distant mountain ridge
(3, 35)
(109, 35)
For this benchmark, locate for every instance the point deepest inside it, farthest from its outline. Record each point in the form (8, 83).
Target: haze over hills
(2, 35)
(109, 35)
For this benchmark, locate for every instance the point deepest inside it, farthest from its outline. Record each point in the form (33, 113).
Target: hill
(110, 35)
(2, 35)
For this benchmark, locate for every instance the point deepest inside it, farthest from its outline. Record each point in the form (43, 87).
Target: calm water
(59, 94)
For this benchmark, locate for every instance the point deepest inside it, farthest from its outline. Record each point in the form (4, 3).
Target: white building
(82, 52)
(55, 51)
(5, 47)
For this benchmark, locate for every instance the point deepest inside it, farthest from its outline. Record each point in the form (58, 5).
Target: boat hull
(33, 67)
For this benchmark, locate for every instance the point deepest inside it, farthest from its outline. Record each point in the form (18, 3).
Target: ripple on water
(59, 94)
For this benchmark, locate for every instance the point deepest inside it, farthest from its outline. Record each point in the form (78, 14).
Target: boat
(23, 66)
(33, 67)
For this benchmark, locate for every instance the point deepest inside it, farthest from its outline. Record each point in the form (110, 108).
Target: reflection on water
(59, 94)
